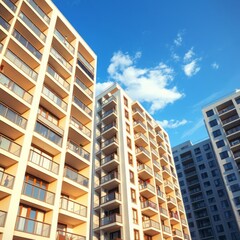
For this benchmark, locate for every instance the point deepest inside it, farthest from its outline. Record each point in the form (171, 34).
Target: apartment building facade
(136, 190)
(209, 212)
(47, 80)
(222, 120)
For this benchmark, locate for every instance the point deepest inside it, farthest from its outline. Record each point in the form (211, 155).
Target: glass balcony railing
(6, 180)
(12, 116)
(21, 65)
(76, 177)
(32, 226)
(61, 59)
(135, 123)
(108, 100)
(113, 218)
(67, 235)
(110, 125)
(73, 207)
(109, 177)
(166, 229)
(49, 134)
(27, 44)
(86, 66)
(64, 41)
(79, 150)
(38, 193)
(32, 26)
(80, 126)
(54, 98)
(105, 114)
(58, 78)
(2, 218)
(82, 106)
(10, 146)
(146, 185)
(109, 158)
(109, 141)
(137, 110)
(10, 4)
(141, 135)
(110, 197)
(144, 167)
(142, 150)
(151, 224)
(43, 162)
(84, 87)
(4, 23)
(39, 11)
(148, 203)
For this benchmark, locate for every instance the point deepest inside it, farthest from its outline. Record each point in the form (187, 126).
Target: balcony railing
(31, 226)
(109, 177)
(166, 229)
(151, 224)
(57, 55)
(10, 4)
(58, 78)
(138, 135)
(27, 44)
(105, 114)
(4, 23)
(158, 176)
(49, 134)
(110, 125)
(144, 166)
(2, 218)
(12, 116)
(10, 146)
(171, 199)
(82, 106)
(138, 111)
(79, 150)
(64, 41)
(113, 218)
(74, 207)
(142, 149)
(168, 183)
(43, 162)
(161, 194)
(80, 126)
(84, 87)
(76, 177)
(39, 11)
(155, 162)
(177, 232)
(109, 158)
(54, 98)
(109, 141)
(110, 197)
(6, 180)
(226, 109)
(228, 120)
(233, 130)
(146, 185)
(38, 193)
(186, 158)
(186, 236)
(20, 92)
(67, 235)
(166, 169)
(32, 26)
(21, 65)
(235, 142)
(148, 203)
(85, 65)
(236, 154)
(174, 215)
(164, 211)
(139, 122)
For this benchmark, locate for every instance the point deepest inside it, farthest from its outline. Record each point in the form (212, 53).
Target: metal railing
(163, 211)
(10, 146)
(105, 114)
(226, 109)
(109, 141)
(82, 106)
(86, 64)
(166, 229)
(64, 41)
(84, 87)
(79, 150)
(230, 119)
(76, 177)
(142, 149)
(148, 203)
(137, 110)
(139, 122)
(144, 167)
(138, 135)
(233, 130)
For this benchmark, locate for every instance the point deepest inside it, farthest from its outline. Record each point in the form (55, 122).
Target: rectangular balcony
(76, 177)
(109, 112)
(43, 162)
(4, 23)
(109, 177)
(166, 229)
(79, 150)
(73, 207)
(32, 26)
(21, 65)
(164, 211)
(230, 119)
(177, 233)
(108, 126)
(27, 44)
(226, 109)
(84, 87)
(109, 158)
(12, 116)
(31, 226)
(6, 180)
(80, 126)
(38, 193)
(149, 208)
(151, 227)
(158, 177)
(62, 235)
(39, 11)
(138, 110)
(113, 218)
(3, 216)
(110, 197)
(109, 141)
(10, 4)
(139, 126)
(85, 65)
(64, 41)
(144, 171)
(10, 146)
(233, 130)
(82, 106)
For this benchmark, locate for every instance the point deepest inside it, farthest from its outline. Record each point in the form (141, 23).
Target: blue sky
(173, 56)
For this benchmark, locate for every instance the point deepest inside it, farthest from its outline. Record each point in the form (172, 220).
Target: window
(211, 164)
(224, 204)
(217, 182)
(228, 214)
(213, 208)
(213, 123)
(178, 166)
(136, 235)
(49, 116)
(231, 177)
(126, 114)
(176, 159)
(209, 155)
(180, 175)
(204, 175)
(214, 172)
(221, 193)
(202, 166)
(185, 199)
(206, 147)
(216, 133)
(191, 224)
(128, 127)
(216, 218)
(207, 184)
(227, 166)
(197, 151)
(210, 113)
(125, 101)
(211, 200)
(237, 200)
(237, 100)
(209, 192)
(131, 176)
(133, 195)
(220, 143)
(181, 183)
(189, 215)
(130, 159)
(135, 216)
(199, 158)
(223, 154)
(235, 187)
(219, 228)
(129, 143)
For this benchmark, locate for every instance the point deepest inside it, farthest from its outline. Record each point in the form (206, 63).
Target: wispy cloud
(192, 130)
(178, 40)
(215, 65)
(150, 85)
(172, 123)
(188, 55)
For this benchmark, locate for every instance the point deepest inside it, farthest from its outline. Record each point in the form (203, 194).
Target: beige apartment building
(136, 190)
(47, 79)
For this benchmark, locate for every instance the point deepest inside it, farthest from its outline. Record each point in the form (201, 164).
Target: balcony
(32, 26)
(111, 222)
(3, 216)
(138, 114)
(84, 87)
(149, 208)
(230, 119)
(21, 65)
(142, 154)
(236, 155)
(144, 171)
(188, 166)
(177, 234)
(166, 172)
(82, 106)
(168, 186)
(164, 213)
(109, 103)
(110, 145)
(4, 24)
(186, 159)
(110, 180)
(38, 193)
(86, 66)
(109, 130)
(186, 236)
(110, 162)
(164, 160)
(166, 231)
(139, 126)
(233, 130)
(10, 4)
(158, 178)
(174, 218)
(6, 181)
(68, 236)
(181, 208)
(183, 221)
(64, 41)
(161, 196)
(226, 109)
(109, 115)
(147, 190)
(171, 202)
(31, 226)
(141, 139)
(151, 227)
(111, 200)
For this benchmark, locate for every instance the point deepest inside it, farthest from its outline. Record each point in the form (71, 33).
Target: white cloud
(100, 87)
(178, 40)
(172, 123)
(192, 130)
(191, 68)
(215, 65)
(175, 57)
(188, 55)
(149, 85)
